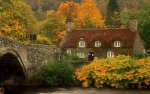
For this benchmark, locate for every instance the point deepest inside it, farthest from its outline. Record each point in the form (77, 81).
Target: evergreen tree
(144, 26)
(113, 16)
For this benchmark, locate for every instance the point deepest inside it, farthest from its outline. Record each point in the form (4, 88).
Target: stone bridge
(22, 60)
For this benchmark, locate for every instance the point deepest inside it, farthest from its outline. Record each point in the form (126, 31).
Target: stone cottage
(102, 43)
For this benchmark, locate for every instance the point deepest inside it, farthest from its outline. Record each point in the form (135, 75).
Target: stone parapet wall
(40, 54)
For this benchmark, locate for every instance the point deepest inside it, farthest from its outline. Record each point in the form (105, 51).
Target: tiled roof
(106, 36)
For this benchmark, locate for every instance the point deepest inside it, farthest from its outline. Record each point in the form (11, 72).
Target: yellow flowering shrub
(118, 72)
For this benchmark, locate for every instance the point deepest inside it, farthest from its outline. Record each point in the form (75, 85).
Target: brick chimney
(70, 25)
(133, 24)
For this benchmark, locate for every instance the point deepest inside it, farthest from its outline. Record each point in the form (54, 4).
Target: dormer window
(82, 44)
(97, 44)
(117, 44)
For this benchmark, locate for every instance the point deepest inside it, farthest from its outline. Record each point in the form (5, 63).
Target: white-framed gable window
(68, 51)
(110, 54)
(117, 44)
(81, 55)
(97, 44)
(82, 43)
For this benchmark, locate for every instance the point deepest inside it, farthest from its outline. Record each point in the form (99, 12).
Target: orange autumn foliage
(60, 36)
(82, 13)
(68, 9)
(88, 10)
(50, 13)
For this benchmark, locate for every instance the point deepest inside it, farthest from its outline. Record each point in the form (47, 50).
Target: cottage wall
(139, 45)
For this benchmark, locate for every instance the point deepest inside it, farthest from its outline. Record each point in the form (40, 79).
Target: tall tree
(52, 26)
(89, 16)
(113, 16)
(144, 26)
(16, 18)
(68, 10)
(85, 15)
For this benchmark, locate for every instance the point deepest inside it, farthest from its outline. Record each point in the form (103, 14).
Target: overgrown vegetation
(57, 72)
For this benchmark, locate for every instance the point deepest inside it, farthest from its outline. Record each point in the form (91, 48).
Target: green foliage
(144, 26)
(141, 55)
(143, 17)
(113, 16)
(57, 73)
(126, 15)
(52, 26)
(113, 6)
(35, 6)
(148, 51)
(72, 58)
(89, 23)
(43, 42)
(46, 5)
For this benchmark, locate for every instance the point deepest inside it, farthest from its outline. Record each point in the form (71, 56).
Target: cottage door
(91, 56)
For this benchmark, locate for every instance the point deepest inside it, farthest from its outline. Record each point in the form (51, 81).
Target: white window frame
(117, 44)
(97, 44)
(81, 55)
(110, 54)
(69, 51)
(82, 44)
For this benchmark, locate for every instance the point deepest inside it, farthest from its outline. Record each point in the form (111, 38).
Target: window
(82, 43)
(81, 55)
(68, 51)
(97, 44)
(110, 54)
(117, 44)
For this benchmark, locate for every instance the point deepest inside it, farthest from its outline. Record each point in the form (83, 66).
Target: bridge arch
(11, 67)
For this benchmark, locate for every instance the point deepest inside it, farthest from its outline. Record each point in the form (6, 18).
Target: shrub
(74, 60)
(57, 73)
(118, 72)
(141, 55)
